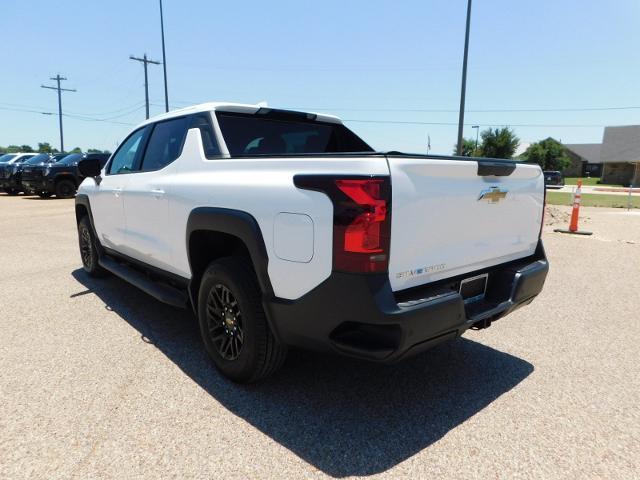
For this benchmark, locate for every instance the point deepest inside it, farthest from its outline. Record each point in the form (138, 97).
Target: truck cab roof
(238, 108)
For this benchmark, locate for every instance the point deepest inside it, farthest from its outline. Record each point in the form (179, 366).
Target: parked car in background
(553, 179)
(10, 167)
(33, 168)
(60, 178)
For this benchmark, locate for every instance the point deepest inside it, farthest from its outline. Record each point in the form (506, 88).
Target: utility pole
(164, 62)
(145, 61)
(464, 79)
(58, 79)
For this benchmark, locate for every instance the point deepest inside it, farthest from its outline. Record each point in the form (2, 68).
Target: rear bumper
(359, 315)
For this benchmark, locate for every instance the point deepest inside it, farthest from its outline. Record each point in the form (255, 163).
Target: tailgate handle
(498, 169)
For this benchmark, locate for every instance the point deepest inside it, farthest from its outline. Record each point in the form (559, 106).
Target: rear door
(450, 217)
(107, 203)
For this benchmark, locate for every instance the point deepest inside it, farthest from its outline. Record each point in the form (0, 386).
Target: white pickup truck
(285, 229)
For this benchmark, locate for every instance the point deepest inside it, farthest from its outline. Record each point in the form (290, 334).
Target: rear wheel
(88, 248)
(44, 194)
(233, 324)
(65, 189)
(12, 191)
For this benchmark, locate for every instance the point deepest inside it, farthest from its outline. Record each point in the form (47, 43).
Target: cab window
(165, 143)
(124, 159)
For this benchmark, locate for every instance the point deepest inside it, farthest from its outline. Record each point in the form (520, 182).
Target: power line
(145, 61)
(445, 110)
(408, 122)
(58, 79)
(484, 110)
(75, 117)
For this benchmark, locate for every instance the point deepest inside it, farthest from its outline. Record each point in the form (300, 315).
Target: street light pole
(464, 79)
(164, 62)
(477, 127)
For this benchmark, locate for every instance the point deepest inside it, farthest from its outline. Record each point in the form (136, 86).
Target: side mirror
(89, 167)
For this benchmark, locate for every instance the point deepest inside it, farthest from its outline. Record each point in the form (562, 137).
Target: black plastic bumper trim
(358, 315)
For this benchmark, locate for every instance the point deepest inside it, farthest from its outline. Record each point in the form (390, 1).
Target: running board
(160, 291)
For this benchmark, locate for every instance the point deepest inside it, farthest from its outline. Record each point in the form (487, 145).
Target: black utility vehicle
(553, 179)
(32, 170)
(11, 172)
(60, 178)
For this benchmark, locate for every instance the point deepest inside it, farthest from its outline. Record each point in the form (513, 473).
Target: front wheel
(65, 189)
(233, 324)
(44, 194)
(88, 248)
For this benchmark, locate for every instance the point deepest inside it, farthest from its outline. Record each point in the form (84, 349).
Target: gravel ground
(97, 380)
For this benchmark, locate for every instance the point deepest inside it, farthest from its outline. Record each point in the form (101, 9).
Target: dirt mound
(561, 216)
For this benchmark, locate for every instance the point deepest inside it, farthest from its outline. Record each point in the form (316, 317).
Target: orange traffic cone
(575, 213)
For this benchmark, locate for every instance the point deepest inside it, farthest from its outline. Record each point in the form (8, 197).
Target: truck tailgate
(448, 220)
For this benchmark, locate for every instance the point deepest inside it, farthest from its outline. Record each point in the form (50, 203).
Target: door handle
(157, 193)
(117, 191)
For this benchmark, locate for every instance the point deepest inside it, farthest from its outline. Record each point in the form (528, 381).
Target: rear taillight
(361, 219)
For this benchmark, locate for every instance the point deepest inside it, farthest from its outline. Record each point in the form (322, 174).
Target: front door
(107, 200)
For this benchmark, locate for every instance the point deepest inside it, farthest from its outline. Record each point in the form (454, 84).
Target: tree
(468, 148)
(13, 149)
(93, 150)
(46, 147)
(499, 143)
(26, 148)
(76, 150)
(550, 154)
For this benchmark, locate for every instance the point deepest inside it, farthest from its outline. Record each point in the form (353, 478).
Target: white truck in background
(284, 228)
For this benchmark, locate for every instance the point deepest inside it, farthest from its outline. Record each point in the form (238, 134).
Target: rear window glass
(262, 135)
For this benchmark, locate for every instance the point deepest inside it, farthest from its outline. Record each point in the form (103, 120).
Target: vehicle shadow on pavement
(343, 416)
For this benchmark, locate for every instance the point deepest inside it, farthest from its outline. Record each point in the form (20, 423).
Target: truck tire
(65, 188)
(89, 248)
(233, 324)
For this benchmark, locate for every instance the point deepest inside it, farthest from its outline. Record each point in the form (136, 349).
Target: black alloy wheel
(65, 189)
(224, 320)
(88, 250)
(233, 324)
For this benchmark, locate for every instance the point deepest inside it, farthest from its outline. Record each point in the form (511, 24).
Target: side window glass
(125, 157)
(165, 143)
(209, 143)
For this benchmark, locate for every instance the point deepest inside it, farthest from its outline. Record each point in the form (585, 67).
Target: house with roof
(616, 160)
(620, 155)
(585, 160)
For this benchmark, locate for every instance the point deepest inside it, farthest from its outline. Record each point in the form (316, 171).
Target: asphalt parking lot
(98, 380)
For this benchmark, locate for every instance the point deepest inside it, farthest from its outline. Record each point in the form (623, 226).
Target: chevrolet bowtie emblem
(493, 194)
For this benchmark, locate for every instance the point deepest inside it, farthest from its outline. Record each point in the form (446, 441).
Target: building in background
(620, 155)
(585, 160)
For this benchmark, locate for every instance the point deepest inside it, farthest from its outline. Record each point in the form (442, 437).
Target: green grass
(593, 200)
(592, 181)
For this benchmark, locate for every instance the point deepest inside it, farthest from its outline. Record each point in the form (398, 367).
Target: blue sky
(370, 62)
